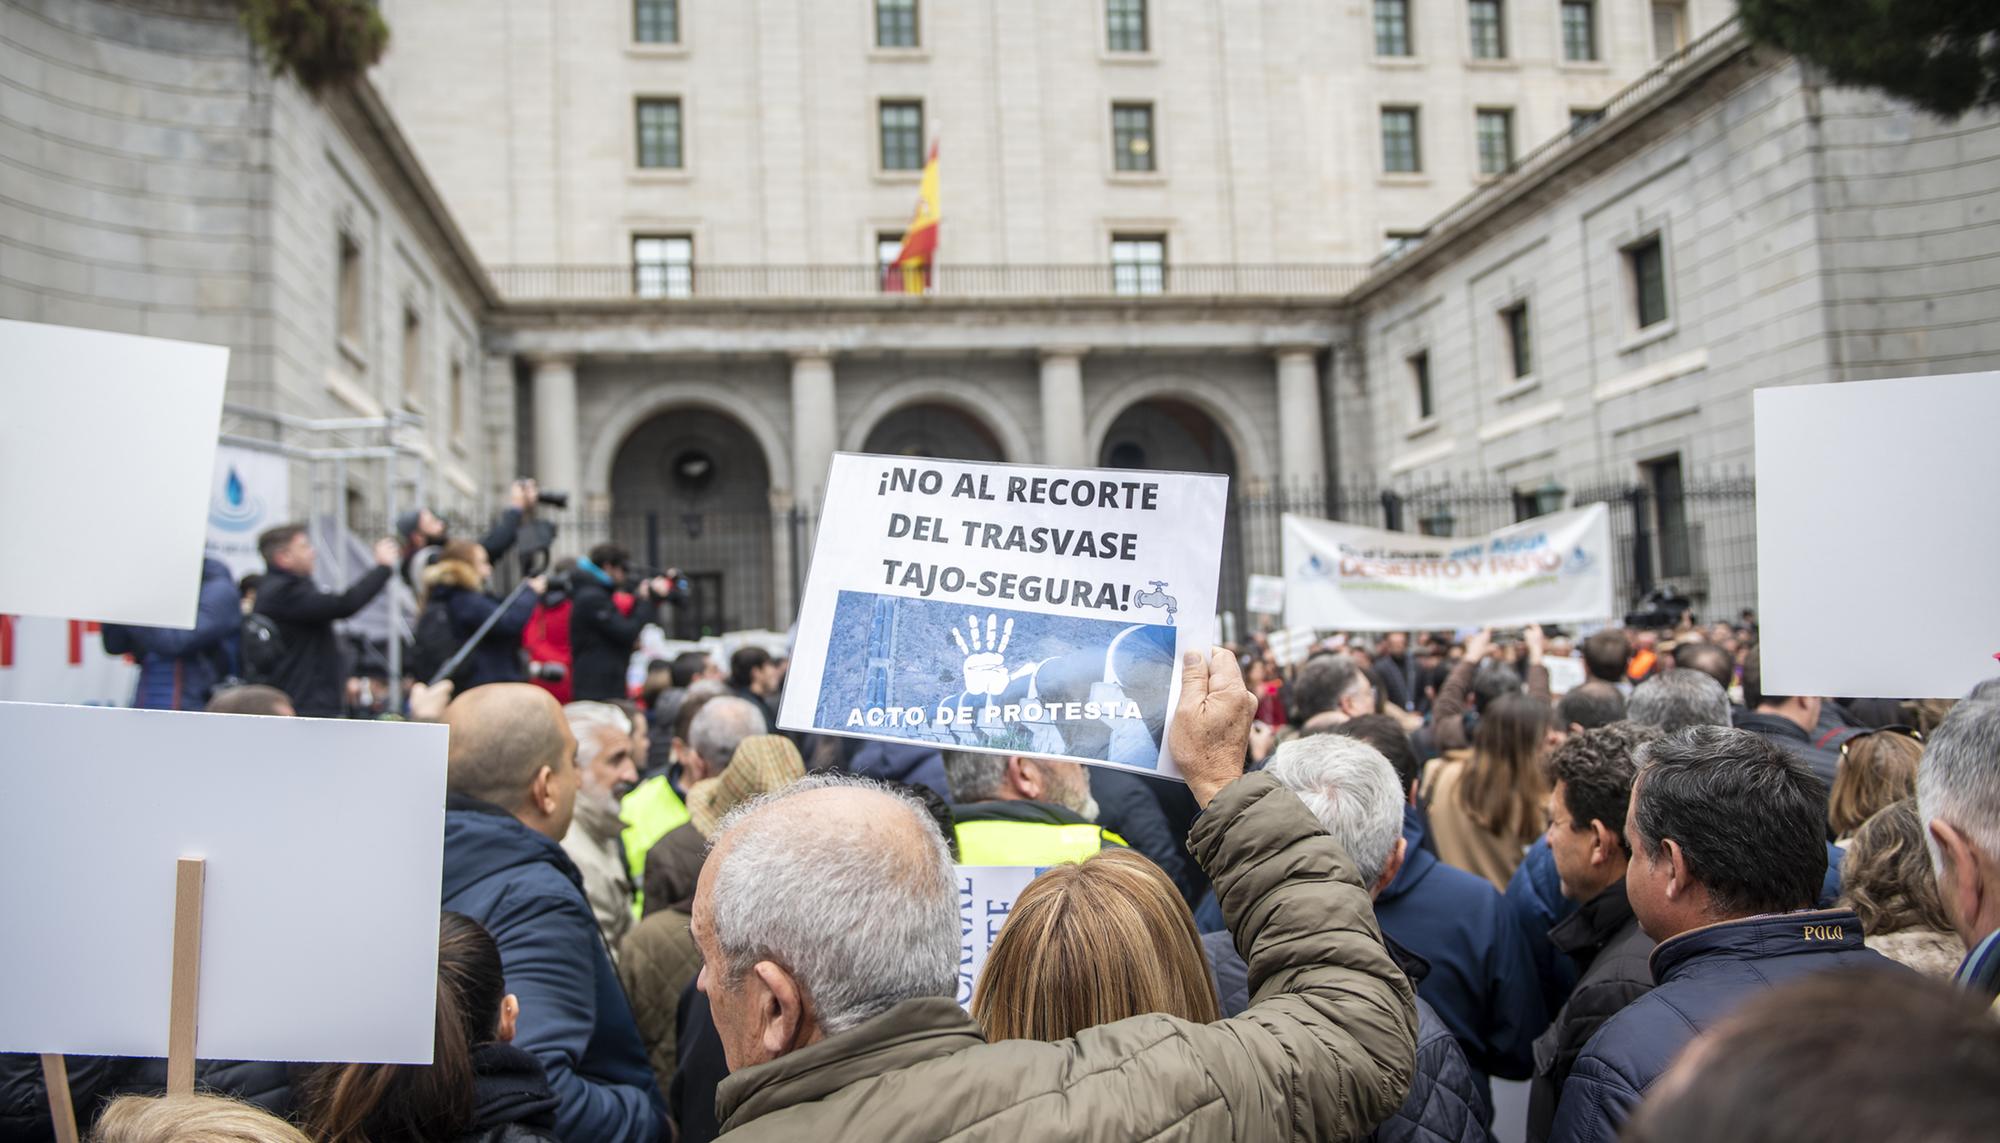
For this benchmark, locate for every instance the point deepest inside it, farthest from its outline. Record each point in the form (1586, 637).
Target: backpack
(263, 648)
(434, 642)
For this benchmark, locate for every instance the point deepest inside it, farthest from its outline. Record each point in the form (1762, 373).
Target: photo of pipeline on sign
(1006, 608)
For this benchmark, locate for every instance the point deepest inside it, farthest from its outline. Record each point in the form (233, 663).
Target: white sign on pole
(1918, 451)
(986, 894)
(1565, 673)
(61, 660)
(250, 490)
(106, 446)
(1266, 595)
(1006, 608)
(1554, 568)
(324, 847)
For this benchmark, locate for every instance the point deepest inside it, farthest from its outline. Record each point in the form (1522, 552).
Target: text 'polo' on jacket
(1026, 833)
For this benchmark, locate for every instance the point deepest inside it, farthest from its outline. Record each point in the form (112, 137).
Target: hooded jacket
(574, 1017)
(1703, 975)
(311, 669)
(600, 636)
(454, 586)
(1326, 1053)
(1481, 980)
(178, 670)
(1603, 936)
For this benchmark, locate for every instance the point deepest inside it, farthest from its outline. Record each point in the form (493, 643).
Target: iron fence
(625, 282)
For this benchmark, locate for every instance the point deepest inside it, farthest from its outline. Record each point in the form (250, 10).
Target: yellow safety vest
(1029, 843)
(651, 811)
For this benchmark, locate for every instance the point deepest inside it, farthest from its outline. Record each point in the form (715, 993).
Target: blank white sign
(106, 445)
(1878, 546)
(324, 845)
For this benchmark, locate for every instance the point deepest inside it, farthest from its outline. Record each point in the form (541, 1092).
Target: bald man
(512, 784)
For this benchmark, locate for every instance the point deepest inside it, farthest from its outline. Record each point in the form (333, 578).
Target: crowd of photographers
(1610, 864)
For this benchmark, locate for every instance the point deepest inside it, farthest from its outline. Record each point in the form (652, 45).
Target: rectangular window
(1645, 266)
(902, 135)
(1420, 384)
(1138, 263)
(663, 266)
(660, 134)
(348, 300)
(1392, 27)
(1663, 479)
(1132, 136)
(413, 359)
(656, 21)
(1579, 21)
(1402, 151)
(896, 23)
(1489, 34)
(1669, 29)
(1125, 25)
(888, 244)
(455, 399)
(1495, 126)
(1520, 349)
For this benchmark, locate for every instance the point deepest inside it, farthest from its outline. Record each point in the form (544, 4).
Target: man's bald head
(502, 735)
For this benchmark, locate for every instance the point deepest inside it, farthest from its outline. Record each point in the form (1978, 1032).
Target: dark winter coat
(1445, 1104)
(1703, 976)
(601, 637)
(312, 670)
(1481, 981)
(511, 1098)
(1604, 938)
(1128, 806)
(178, 670)
(95, 1081)
(912, 764)
(454, 586)
(1793, 738)
(1536, 904)
(574, 1016)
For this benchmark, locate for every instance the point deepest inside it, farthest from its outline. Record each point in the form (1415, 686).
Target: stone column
(814, 429)
(1301, 436)
(556, 444)
(1063, 443)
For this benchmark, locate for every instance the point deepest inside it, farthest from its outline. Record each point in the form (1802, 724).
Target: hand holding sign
(985, 669)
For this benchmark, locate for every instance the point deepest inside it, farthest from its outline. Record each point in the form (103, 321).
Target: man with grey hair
(834, 993)
(605, 764)
(1958, 795)
(1357, 798)
(1677, 699)
(717, 730)
(1016, 810)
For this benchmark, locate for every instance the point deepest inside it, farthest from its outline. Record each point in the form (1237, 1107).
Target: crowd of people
(1399, 867)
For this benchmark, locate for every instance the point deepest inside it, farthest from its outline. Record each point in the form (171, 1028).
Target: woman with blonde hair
(1888, 880)
(200, 1118)
(1875, 770)
(1486, 809)
(1067, 958)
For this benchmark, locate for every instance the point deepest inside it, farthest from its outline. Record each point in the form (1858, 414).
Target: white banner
(1554, 568)
(251, 491)
(61, 661)
(1005, 608)
(986, 895)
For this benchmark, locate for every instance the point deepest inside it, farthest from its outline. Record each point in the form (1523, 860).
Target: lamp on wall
(1549, 497)
(1438, 522)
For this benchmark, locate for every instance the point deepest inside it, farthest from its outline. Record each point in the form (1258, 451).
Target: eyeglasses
(1910, 732)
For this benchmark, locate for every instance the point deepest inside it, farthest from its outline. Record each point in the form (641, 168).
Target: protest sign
(986, 895)
(1831, 461)
(249, 491)
(323, 843)
(105, 454)
(1553, 568)
(1266, 595)
(1006, 608)
(1566, 673)
(1291, 645)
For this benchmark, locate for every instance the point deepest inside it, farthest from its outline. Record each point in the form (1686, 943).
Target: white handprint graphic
(985, 669)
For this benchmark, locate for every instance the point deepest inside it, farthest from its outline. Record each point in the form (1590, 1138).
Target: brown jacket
(1325, 1052)
(1461, 841)
(673, 866)
(655, 965)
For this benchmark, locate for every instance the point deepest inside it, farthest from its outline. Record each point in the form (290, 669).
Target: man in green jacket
(828, 923)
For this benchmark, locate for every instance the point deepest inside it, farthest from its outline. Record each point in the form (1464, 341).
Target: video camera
(1661, 610)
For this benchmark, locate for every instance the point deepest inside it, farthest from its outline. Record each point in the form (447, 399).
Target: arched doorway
(932, 429)
(1162, 434)
(690, 489)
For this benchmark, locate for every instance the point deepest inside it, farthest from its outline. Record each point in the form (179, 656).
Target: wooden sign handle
(187, 976)
(55, 1077)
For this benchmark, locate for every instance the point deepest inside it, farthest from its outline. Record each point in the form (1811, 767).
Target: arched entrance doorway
(690, 489)
(1163, 434)
(933, 430)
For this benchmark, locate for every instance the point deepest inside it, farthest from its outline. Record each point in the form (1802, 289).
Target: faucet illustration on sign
(1157, 597)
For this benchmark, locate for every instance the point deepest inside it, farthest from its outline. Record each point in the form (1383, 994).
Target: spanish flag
(910, 273)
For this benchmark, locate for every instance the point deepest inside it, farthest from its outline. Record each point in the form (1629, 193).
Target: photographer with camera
(457, 605)
(601, 635)
(424, 535)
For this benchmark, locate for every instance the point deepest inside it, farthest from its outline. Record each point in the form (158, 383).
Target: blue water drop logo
(234, 489)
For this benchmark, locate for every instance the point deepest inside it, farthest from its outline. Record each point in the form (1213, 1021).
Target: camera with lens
(1660, 610)
(552, 499)
(548, 672)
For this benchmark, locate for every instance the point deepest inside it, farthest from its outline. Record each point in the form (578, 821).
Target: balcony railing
(671, 285)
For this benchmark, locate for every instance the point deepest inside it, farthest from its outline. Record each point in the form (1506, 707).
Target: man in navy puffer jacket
(512, 789)
(179, 669)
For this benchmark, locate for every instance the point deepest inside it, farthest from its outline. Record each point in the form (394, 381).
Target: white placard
(106, 447)
(1291, 645)
(324, 843)
(1565, 673)
(986, 894)
(1006, 608)
(1873, 515)
(249, 491)
(1554, 568)
(61, 660)
(1266, 595)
